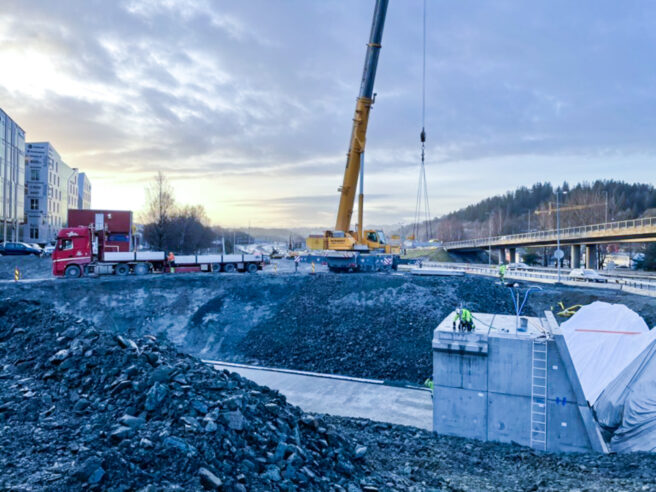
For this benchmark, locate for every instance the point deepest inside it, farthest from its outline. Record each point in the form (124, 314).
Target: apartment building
(51, 189)
(12, 178)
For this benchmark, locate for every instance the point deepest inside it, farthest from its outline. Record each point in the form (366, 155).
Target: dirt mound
(80, 407)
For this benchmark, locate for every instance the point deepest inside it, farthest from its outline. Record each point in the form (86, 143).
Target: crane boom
(360, 121)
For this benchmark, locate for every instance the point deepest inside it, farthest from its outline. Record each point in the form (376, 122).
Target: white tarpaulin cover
(603, 339)
(627, 407)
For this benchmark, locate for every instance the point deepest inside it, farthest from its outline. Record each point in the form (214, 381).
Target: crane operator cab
(375, 239)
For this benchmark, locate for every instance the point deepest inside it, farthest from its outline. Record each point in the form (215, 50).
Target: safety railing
(565, 233)
(542, 274)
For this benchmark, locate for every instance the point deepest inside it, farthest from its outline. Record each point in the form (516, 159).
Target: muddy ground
(366, 325)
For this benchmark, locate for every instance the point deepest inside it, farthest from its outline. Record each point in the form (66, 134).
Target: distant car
(19, 249)
(586, 275)
(517, 266)
(48, 249)
(35, 246)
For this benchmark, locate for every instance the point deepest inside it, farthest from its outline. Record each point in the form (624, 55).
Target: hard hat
(458, 310)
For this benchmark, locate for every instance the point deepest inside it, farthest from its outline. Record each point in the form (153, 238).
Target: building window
(34, 174)
(34, 204)
(34, 233)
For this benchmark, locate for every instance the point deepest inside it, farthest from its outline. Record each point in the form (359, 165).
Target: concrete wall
(483, 388)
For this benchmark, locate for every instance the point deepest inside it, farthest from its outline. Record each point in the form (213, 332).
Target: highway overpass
(624, 231)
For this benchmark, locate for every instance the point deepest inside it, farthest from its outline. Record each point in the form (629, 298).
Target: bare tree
(450, 229)
(160, 210)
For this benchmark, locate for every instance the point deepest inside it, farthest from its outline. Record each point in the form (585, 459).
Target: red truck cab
(72, 252)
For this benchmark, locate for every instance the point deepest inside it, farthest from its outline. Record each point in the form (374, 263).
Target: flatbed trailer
(80, 252)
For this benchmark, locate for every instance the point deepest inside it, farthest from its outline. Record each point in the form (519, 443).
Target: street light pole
(489, 242)
(558, 231)
(606, 192)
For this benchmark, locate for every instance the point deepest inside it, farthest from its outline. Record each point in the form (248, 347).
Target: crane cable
(423, 186)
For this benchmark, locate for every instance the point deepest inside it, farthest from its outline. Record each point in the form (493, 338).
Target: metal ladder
(538, 438)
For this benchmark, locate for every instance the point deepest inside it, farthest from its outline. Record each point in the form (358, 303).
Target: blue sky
(247, 105)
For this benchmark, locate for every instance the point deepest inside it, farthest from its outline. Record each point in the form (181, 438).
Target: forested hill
(514, 212)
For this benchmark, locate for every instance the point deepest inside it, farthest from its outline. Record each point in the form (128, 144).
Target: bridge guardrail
(529, 274)
(565, 233)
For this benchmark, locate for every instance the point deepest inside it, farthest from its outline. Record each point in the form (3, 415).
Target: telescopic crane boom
(342, 238)
(360, 122)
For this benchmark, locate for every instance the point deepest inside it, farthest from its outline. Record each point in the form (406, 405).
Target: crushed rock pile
(366, 325)
(82, 408)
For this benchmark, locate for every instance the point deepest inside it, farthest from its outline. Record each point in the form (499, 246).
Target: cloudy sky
(247, 105)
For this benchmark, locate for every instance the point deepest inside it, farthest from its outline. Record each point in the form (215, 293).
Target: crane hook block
(422, 136)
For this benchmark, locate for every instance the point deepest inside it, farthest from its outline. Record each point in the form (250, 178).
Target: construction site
(357, 361)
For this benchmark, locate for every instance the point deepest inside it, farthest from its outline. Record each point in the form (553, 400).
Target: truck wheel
(251, 268)
(216, 267)
(229, 268)
(141, 269)
(73, 271)
(122, 269)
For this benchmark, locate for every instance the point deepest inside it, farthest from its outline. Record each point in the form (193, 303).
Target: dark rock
(179, 444)
(155, 396)
(132, 422)
(90, 471)
(120, 433)
(59, 357)
(209, 480)
(272, 473)
(162, 374)
(235, 420)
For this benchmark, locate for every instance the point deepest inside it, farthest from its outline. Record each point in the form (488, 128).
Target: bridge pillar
(575, 256)
(502, 256)
(513, 255)
(591, 256)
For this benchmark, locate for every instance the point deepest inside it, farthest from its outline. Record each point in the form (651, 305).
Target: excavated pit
(366, 325)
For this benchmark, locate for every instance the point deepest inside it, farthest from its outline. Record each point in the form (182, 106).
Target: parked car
(587, 275)
(517, 266)
(48, 249)
(19, 249)
(35, 246)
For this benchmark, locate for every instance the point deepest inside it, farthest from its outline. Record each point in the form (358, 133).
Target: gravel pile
(83, 408)
(366, 325)
(405, 458)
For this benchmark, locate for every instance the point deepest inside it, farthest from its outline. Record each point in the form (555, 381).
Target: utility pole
(489, 240)
(606, 192)
(558, 250)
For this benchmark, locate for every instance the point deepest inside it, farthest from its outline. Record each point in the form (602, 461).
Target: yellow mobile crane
(342, 238)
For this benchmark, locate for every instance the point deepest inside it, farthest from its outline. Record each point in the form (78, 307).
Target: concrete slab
(343, 396)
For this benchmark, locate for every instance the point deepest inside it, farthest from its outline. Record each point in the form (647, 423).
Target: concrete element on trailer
(342, 396)
(511, 382)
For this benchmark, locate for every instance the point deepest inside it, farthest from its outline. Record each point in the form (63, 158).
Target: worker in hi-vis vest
(463, 320)
(502, 272)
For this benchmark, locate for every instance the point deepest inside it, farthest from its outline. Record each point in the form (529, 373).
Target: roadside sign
(559, 254)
